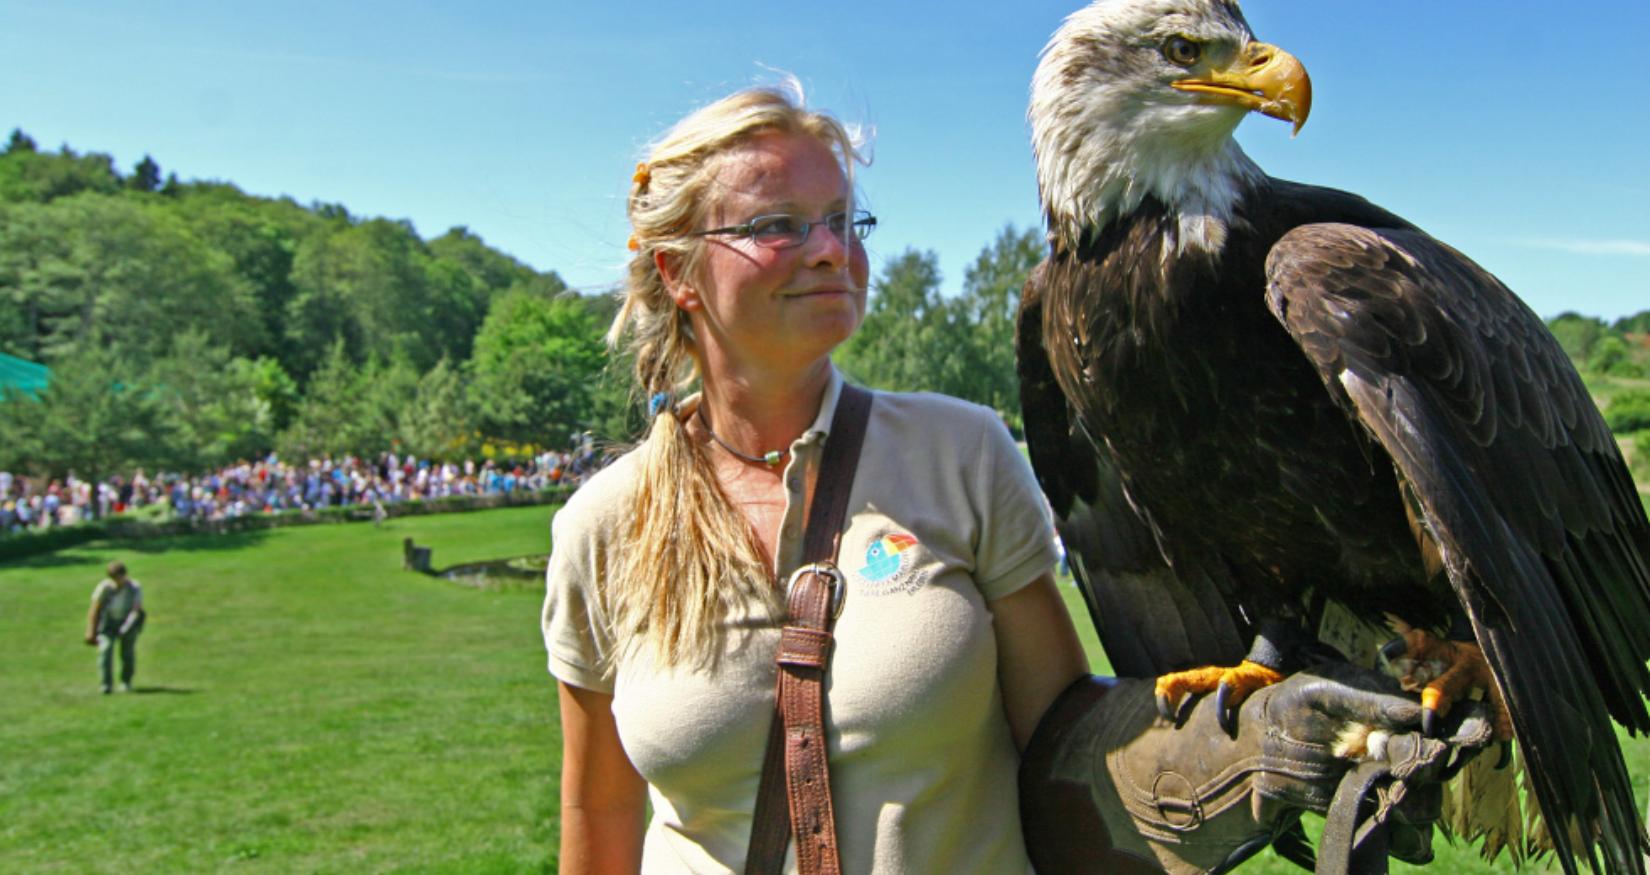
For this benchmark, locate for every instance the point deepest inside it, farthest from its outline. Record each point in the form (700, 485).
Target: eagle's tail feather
(1483, 802)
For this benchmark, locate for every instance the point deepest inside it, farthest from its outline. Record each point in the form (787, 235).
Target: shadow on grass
(86, 553)
(55, 560)
(169, 691)
(199, 542)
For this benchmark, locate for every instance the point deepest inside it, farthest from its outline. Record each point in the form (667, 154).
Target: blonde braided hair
(689, 556)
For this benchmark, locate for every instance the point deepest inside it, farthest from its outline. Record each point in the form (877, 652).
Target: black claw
(1429, 723)
(1226, 714)
(1393, 649)
(1164, 707)
(1506, 756)
(1184, 712)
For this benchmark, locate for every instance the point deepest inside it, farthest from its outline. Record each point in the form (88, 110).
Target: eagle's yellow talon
(1232, 683)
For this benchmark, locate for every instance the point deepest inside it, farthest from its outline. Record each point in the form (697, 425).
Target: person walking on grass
(115, 620)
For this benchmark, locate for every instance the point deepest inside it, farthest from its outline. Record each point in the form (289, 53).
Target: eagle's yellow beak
(1263, 79)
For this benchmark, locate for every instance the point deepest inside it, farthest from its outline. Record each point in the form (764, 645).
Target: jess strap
(795, 792)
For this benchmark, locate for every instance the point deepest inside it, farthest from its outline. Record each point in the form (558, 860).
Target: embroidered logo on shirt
(889, 561)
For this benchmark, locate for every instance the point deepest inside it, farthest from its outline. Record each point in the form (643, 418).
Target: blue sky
(1516, 131)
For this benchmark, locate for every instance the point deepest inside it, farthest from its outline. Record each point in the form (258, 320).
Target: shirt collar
(827, 410)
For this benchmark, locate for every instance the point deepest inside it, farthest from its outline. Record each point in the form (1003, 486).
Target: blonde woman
(662, 615)
(663, 609)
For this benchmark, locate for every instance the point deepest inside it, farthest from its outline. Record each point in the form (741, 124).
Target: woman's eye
(773, 226)
(1182, 51)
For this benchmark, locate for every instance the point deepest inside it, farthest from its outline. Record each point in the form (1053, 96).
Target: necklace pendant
(773, 457)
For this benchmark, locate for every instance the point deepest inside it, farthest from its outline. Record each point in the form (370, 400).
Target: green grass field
(304, 705)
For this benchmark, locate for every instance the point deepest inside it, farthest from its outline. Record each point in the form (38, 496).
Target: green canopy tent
(22, 375)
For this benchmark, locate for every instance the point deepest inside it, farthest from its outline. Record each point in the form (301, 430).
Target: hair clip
(657, 402)
(643, 173)
(632, 245)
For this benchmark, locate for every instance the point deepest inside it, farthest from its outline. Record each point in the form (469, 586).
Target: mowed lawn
(304, 705)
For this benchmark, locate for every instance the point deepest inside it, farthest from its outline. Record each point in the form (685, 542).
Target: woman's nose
(825, 247)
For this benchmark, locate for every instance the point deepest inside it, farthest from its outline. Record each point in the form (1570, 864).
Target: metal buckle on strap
(824, 569)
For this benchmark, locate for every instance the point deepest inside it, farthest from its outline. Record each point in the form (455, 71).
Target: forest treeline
(190, 324)
(1614, 359)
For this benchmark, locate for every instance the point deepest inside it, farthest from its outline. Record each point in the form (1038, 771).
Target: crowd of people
(270, 485)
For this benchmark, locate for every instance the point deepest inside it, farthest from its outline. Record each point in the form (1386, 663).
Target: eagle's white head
(1139, 98)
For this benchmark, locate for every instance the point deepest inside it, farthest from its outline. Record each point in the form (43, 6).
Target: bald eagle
(1259, 407)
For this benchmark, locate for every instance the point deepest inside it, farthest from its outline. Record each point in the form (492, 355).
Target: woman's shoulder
(606, 496)
(931, 411)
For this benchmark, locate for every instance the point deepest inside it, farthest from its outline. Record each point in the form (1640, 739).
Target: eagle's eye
(1182, 51)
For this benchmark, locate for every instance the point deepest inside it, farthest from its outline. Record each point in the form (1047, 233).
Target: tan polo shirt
(944, 516)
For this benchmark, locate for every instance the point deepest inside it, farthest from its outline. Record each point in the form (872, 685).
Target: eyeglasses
(780, 231)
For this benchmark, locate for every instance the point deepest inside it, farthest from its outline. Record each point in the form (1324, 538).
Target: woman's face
(776, 308)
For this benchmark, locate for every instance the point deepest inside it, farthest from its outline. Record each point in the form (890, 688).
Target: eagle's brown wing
(1150, 620)
(1518, 482)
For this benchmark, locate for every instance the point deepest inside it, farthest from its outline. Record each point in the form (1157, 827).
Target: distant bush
(1640, 463)
(1638, 323)
(1613, 356)
(36, 542)
(1629, 411)
(1578, 334)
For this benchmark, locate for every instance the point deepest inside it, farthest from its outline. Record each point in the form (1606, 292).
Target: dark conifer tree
(145, 176)
(20, 142)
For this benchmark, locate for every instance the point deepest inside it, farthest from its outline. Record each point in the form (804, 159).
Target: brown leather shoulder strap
(795, 770)
(836, 475)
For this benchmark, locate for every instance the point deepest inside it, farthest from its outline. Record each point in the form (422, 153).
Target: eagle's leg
(1444, 672)
(1264, 666)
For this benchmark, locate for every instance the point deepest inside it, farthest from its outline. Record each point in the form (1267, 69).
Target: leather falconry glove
(1107, 785)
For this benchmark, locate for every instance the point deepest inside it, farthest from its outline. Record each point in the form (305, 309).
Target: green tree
(95, 270)
(1577, 334)
(390, 391)
(439, 423)
(260, 237)
(903, 343)
(1640, 457)
(276, 393)
(221, 408)
(1629, 411)
(333, 419)
(145, 176)
(989, 302)
(1612, 356)
(492, 270)
(536, 364)
(464, 276)
(19, 142)
(94, 421)
(29, 175)
(1638, 323)
(367, 284)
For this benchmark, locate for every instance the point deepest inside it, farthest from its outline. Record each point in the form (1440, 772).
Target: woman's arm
(603, 799)
(1038, 654)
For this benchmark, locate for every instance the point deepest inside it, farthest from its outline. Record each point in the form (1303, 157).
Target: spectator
(114, 621)
(269, 485)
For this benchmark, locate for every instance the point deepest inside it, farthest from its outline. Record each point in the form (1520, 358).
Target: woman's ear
(669, 265)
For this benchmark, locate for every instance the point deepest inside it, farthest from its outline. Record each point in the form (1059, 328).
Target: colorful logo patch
(886, 557)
